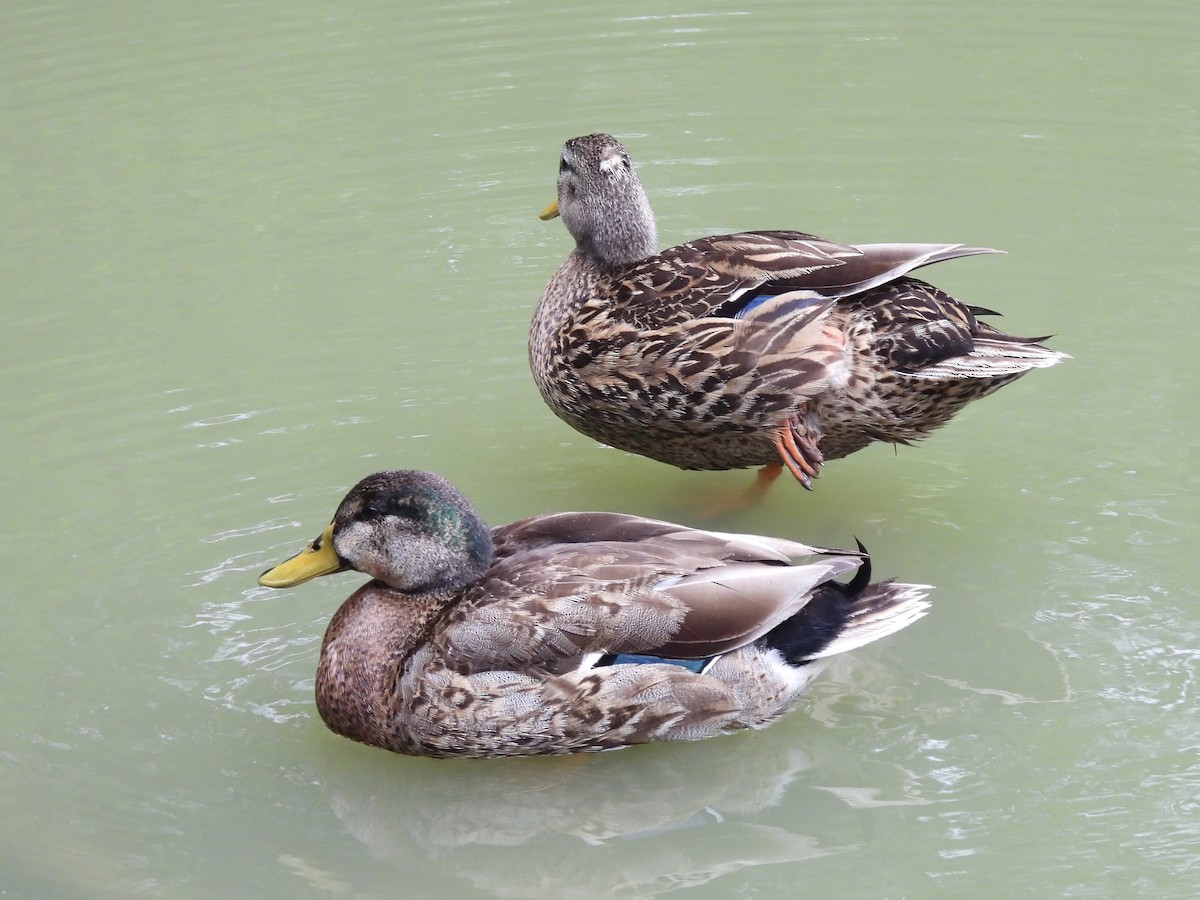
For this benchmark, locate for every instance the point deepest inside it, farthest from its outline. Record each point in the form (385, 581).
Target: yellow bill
(318, 558)
(550, 212)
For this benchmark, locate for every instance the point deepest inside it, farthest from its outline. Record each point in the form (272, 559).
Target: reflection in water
(621, 823)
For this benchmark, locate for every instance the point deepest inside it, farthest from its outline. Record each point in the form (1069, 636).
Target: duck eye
(374, 511)
(562, 165)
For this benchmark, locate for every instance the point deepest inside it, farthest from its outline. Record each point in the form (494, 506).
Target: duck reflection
(638, 822)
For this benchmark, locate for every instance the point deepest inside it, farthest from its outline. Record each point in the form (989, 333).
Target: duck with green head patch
(570, 632)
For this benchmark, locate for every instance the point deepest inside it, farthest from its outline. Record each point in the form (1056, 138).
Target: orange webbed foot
(798, 451)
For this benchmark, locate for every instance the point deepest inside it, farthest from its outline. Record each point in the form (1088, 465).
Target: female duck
(474, 642)
(750, 349)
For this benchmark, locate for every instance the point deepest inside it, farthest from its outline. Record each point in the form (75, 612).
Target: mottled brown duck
(570, 632)
(754, 349)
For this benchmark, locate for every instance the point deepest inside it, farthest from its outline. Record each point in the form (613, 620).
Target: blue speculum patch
(624, 659)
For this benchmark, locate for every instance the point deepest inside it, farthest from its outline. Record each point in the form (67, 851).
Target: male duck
(749, 349)
(472, 642)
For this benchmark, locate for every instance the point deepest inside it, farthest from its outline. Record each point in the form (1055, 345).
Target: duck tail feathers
(880, 610)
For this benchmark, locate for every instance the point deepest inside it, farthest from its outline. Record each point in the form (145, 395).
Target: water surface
(253, 252)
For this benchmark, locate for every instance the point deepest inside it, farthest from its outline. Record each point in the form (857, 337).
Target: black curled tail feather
(842, 617)
(862, 577)
(802, 637)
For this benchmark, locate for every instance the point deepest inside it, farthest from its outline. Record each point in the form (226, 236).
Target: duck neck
(365, 649)
(617, 241)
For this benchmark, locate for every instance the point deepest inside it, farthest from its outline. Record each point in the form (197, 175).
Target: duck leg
(798, 449)
(730, 501)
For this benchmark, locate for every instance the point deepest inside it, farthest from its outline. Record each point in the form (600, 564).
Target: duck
(762, 348)
(570, 632)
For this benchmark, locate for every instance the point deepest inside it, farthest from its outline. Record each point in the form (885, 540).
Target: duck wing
(714, 547)
(660, 589)
(724, 275)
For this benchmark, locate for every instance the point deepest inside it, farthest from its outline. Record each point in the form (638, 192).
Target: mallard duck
(570, 632)
(754, 349)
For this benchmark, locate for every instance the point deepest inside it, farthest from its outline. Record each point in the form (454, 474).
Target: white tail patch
(992, 359)
(906, 604)
(794, 678)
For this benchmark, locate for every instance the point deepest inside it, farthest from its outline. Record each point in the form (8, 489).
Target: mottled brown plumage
(754, 348)
(475, 642)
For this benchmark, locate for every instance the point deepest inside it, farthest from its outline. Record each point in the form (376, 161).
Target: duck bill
(550, 212)
(318, 558)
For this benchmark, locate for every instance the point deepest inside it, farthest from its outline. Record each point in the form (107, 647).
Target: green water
(252, 252)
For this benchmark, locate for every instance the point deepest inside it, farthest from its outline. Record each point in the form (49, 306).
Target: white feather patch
(908, 605)
(610, 161)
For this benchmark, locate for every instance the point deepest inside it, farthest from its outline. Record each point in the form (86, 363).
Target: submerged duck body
(478, 642)
(754, 349)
